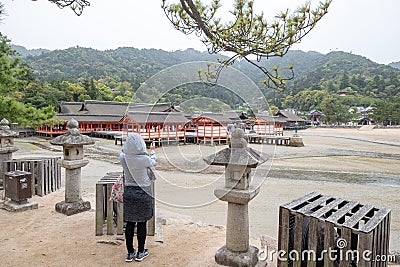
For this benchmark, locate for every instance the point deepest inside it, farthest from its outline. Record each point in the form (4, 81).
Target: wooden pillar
(219, 133)
(184, 134)
(204, 133)
(197, 133)
(212, 133)
(99, 209)
(177, 133)
(168, 134)
(151, 224)
(227, 134)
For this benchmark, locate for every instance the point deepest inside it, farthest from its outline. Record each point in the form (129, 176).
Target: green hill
(339, 71)
(395, 65)
(334, 72)
(122, 64)
(28, 52)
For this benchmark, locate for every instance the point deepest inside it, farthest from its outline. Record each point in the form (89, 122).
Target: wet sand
(346, 163)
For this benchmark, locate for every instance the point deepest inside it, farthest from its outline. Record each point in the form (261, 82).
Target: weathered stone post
(72, 143)
(6, 145)
(238, 160)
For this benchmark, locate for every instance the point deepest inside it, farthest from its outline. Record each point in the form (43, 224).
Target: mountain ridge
(333, 72)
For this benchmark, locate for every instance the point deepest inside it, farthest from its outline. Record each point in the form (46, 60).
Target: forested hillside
(334, 72)
(125, 64)
(78, 73)
(395, 65)
(23, 52)
(338, 71)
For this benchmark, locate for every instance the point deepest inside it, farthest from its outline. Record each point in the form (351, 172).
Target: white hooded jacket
(135, 161)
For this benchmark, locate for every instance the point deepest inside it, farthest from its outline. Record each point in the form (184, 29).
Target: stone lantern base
(235, 259)
(296, 141)
(73, 207)
(10, 205)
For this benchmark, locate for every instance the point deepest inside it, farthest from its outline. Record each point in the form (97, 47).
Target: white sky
(363, 27)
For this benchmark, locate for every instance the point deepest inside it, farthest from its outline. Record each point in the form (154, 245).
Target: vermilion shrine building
(161, 121)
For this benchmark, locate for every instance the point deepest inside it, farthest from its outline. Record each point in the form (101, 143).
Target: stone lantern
(72, 143)
(238, 160)
(6, 143)
(296, 140)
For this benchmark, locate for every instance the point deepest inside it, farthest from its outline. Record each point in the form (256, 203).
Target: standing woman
(138, 202)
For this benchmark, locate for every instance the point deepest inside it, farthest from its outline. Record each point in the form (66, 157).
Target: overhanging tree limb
(249, 34)
(76, 5)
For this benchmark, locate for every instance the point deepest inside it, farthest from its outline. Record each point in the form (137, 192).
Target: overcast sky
(364, 27)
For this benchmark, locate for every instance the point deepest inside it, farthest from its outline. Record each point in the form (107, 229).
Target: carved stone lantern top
(5, 129)
(72, 137)
(237, 153)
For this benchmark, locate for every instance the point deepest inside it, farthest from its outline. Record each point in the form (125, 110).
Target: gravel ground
(346, 163)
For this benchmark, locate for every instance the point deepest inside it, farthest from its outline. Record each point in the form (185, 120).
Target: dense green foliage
(395, 65)
(17, 89)
(120, 65)
(203, 97)
(11, 69)
(76, 74)
(339, 71)
(388, 112)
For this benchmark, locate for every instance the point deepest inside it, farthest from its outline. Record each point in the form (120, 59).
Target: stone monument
(238, 160)
(72, 143)
(6, 145)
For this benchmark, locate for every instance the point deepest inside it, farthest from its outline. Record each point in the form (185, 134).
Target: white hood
(134, 145)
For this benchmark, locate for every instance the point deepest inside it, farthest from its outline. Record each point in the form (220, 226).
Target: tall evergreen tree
(11, 70)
